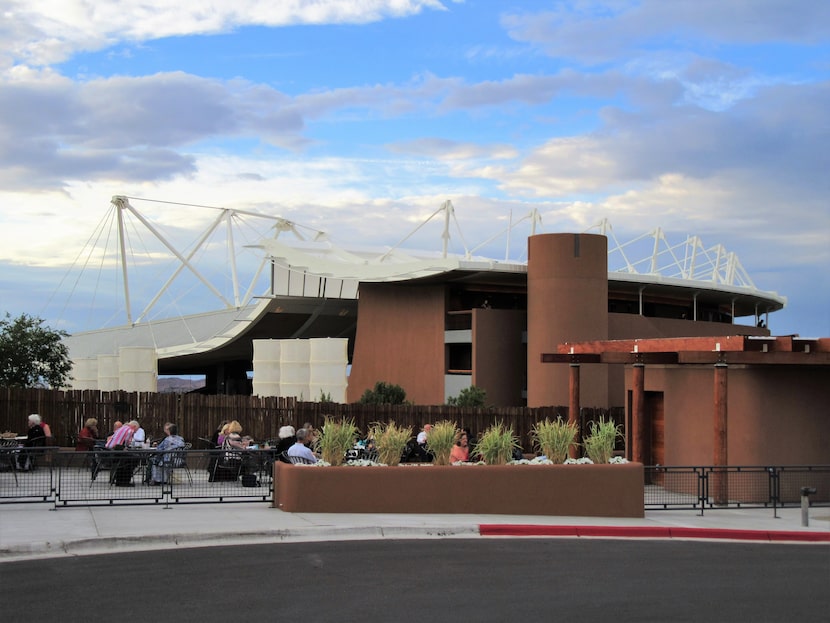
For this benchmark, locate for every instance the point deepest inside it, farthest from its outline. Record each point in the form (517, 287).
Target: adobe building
(725, 400)
(436, 324)
(488, 325)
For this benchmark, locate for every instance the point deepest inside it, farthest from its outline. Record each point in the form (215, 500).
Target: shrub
(390, 441)
(602, 436)
(554, 439)
(384, 394)
(496, 444)
(471, 396)
(336, 438)
(440, 441)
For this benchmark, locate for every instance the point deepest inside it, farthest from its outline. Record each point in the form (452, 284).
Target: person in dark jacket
(35, 438)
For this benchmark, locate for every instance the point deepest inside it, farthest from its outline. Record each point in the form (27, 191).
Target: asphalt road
(538, 580)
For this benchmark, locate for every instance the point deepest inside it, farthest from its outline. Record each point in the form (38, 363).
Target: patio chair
(296, 460)
(27, 457)
(124, 467)
(8, 456)
(177, 459)
(121, 464)
(101, 459)
(228, 466)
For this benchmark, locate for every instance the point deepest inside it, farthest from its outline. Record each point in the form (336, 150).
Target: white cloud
(445, 149)
(600, 31)
(43, 32)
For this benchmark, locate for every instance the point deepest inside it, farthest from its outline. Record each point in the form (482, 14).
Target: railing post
(774, 489)
(703, 487)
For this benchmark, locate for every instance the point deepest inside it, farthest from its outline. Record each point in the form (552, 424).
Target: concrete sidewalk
(35, 530)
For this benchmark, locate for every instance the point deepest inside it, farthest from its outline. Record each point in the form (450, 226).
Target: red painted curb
(522, 530)
(653, 532)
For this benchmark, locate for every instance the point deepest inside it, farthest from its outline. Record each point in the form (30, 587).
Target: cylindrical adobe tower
(567, 301)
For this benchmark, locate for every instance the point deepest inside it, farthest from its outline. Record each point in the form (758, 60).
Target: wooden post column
(638, 415)
(720, 484)
(573, 403)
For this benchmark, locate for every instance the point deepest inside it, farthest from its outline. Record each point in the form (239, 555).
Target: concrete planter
(567, 490)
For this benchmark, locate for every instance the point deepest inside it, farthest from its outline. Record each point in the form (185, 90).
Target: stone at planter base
(567, 490)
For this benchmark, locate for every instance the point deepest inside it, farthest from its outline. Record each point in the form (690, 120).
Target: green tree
(471, 396)
(384, 394)
(32, 354)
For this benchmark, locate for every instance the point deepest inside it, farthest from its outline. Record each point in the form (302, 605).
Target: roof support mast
(119, 203)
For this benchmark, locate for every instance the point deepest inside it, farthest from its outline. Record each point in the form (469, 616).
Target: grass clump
(336, 437)
(601, 439)
(554, 439)
(390, 441)
(441, 440)
(496, 444)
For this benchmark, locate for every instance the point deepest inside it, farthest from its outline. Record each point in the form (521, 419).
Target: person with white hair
(35, 437)
(287, 438)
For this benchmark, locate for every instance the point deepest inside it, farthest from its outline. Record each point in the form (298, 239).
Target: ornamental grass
(336, 437)
(601, 439)
(496, 444)
(554, 439)
(440, 441)
(390, 441)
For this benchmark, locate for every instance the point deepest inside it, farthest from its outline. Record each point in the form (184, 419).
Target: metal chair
(177, 459)
(8, 456)
(101, 459)
(118, 462)
(226, 464)
(296, 460)
(125, 466)
(27, 456)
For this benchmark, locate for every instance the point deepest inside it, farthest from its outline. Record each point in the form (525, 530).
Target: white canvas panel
(328, 350)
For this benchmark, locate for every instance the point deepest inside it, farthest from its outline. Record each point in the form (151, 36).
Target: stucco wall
(777, 415)
(400, 339)
(570, 490)
(633, 326)
(499, 355)
(567, 301)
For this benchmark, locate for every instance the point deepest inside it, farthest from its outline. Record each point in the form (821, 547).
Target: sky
(360, 118)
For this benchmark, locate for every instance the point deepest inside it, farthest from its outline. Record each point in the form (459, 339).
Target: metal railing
(709, 487)
(127, 477)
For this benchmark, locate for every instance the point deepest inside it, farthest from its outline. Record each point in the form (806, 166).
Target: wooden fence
(197, 415)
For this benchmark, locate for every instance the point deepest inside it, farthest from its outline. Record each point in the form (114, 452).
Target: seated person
(218, 435)
(232, 455)
(461, 449)
(419, 451)
(300, 449)
(287, 437)
(233, 437)
(165, 459)
(115, 426)
(126, 464)
(87, 436)
(123, 436)
(35, 437)
(139, 437)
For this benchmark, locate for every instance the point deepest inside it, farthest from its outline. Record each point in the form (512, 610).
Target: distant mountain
(175, 385)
